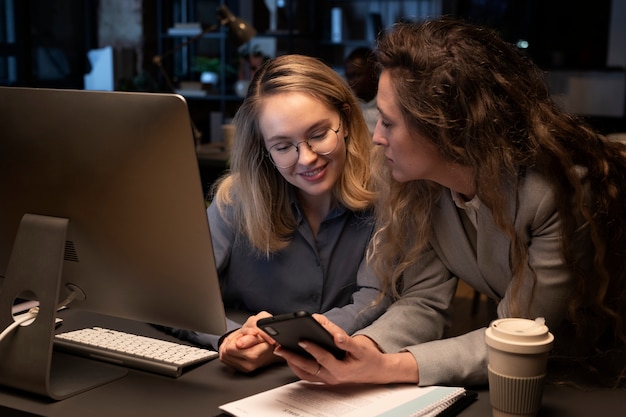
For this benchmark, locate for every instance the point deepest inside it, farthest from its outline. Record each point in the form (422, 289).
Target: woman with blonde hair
(292, 219)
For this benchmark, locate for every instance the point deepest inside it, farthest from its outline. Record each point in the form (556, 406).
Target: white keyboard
(145, 353)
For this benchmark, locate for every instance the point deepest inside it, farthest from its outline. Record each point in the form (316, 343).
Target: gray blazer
(414, 322)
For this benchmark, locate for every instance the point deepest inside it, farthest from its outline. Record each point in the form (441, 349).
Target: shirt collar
(337, 210)
(473, 204)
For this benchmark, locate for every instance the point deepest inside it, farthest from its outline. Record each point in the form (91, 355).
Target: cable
(31, 314)
(74, 293)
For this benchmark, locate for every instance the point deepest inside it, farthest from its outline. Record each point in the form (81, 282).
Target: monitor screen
(121, 169)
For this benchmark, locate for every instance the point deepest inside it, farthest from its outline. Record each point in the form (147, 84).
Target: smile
(313, 172)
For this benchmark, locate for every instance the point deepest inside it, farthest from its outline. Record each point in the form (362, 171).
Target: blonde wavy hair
(256, 191)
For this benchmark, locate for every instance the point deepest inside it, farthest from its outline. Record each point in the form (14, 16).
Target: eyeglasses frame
(297, 146)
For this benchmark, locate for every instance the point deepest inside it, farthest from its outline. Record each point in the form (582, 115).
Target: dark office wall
(563, 34)
(53, 36)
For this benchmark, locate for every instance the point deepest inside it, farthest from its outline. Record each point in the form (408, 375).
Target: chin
(399, 177)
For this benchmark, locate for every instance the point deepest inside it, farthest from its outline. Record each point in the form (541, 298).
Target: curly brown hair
(486, 105)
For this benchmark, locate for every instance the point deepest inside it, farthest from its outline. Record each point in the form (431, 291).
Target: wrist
(222, 337)
(400, 368)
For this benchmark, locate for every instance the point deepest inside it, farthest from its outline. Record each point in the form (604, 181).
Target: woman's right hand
(248, 348)
(364, 362)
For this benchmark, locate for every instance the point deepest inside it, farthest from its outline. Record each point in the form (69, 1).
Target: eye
(385, 124)
(318, 135)
(282, 147)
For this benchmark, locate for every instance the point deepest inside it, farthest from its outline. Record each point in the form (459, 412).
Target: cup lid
(519, 335)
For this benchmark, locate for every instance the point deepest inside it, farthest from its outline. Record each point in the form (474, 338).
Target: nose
(305, 153)
(377, 138)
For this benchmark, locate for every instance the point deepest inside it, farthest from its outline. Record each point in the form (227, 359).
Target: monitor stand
(28, 362)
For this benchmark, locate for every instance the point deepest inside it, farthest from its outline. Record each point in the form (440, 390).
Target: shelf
(213, 35)
(301, 26)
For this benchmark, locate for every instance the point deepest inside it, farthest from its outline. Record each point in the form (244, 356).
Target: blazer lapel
(490, 261)
(494, 247)
(493, 254)
(448, 233)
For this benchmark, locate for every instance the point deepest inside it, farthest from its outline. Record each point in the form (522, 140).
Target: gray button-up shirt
(327, 274)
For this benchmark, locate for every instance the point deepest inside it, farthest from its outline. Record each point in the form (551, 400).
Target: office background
(46, 43)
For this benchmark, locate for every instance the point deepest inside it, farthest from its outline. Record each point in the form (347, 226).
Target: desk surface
(201, 390)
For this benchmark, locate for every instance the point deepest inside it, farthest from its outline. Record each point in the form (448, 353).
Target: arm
(222, 238)
(463, 359)
(459, 360)
(375, 354)
(241, 348)
(246, 350)
(422, 312)
(363, 363)
(366, 303)
(365, 306)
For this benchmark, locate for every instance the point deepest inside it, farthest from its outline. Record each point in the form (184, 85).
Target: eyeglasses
(286, 154)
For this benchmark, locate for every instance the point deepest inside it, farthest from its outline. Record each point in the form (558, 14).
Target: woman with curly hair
(292, 219)
(482, 178)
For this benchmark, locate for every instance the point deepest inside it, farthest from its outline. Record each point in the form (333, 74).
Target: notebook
(306, 399)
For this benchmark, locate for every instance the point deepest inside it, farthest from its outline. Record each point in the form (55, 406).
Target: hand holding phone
(289, 329)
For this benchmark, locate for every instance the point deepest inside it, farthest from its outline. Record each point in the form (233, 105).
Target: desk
(201, 390)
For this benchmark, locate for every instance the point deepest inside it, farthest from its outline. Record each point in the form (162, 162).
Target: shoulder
(537, 194)
(533, 183)
(225, 201)
(220, 213)
(534, 187)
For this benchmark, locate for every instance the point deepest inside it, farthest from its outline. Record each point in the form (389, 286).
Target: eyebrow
(382, 113)
(317, 125)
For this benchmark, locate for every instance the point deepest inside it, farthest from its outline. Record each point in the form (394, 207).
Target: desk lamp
(240, 32)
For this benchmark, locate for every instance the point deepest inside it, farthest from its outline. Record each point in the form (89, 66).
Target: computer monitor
(101, 198)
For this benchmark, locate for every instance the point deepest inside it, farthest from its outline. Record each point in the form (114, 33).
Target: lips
(313, 174)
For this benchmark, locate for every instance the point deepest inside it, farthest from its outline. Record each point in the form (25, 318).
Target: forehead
(386, 99)
(291, 114)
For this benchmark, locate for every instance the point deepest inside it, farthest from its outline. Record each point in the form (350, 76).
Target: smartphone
(288, 329)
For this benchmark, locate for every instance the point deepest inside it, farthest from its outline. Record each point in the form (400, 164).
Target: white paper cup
(517, 353)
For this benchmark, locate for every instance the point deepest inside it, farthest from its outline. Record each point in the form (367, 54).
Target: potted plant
(209, 69)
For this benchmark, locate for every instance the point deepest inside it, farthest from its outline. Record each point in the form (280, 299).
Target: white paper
(305, 399)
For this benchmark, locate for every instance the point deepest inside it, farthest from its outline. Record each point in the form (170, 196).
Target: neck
(461, 181)
(315, 209)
